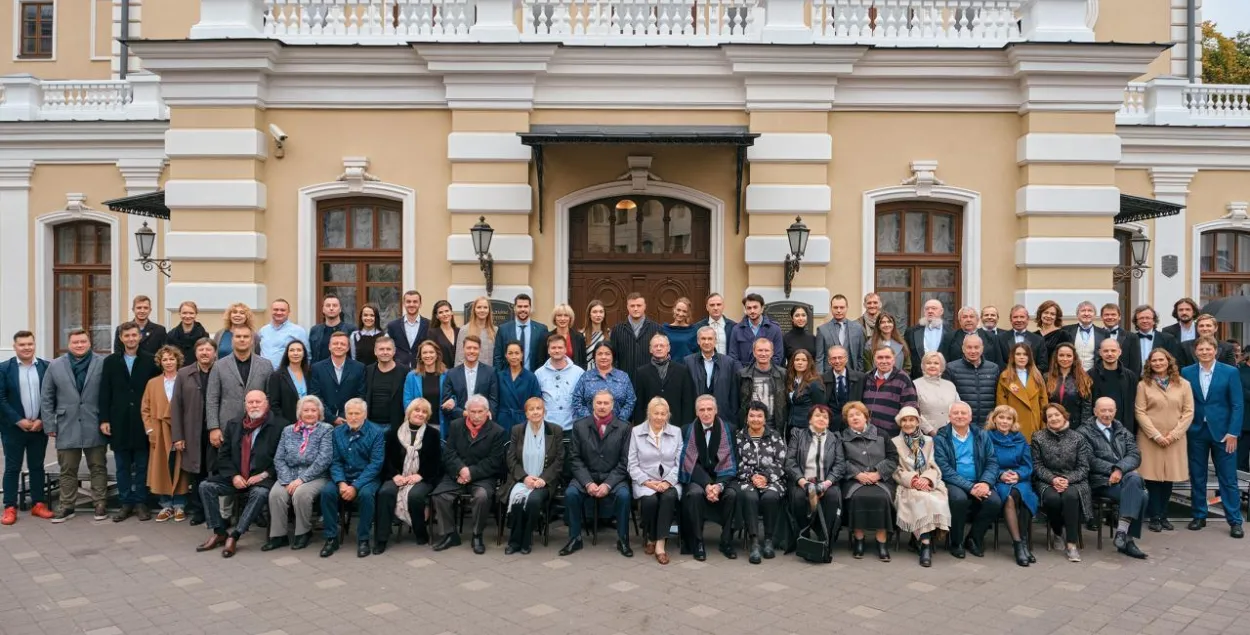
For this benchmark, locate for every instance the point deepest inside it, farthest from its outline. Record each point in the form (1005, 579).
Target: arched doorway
(658, 246)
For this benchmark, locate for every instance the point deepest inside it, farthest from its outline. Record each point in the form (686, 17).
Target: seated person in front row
(535, 459)
(413, 466)
(1015, 479)
(762, 478)
(969, 468)
(708, 474)
(1113, 462)
(1061, 458)
(815, 465)
(359, 451)
(473, 461)
(244, 468)
(600, 447)
(921, 499)
(654, 456)
(868, 479)
(302, 465)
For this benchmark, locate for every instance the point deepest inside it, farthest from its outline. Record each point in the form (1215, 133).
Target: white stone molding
(45, 253)
(461, 294)
(356, 173)
(798, 147)
(1237, 219)
(215, 194)
(216, 296)
(788, 199)
(504, 248)
(485, 147)
(83, 142)
(306, 279)
(1066, 298)
(924, 176)
(1037, 147)
(1171, 185)
(14, 249)
(141, 175)
(969, 200)
(219, 246)
(1065, 252)
(773, 250)
(489, 198)
(639, 173)
(240, 143)
(1067, 200)
(623, 188)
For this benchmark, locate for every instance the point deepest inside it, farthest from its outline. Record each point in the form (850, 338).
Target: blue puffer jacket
(975, 385)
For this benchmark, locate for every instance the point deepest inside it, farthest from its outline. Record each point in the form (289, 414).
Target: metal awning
(740, 137)
(1136, 208)
(151, 205)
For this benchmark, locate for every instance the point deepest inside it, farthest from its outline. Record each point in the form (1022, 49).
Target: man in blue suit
(337, 379)
(468, 379)
(532, 336)
(21, 425)
(1218, 409)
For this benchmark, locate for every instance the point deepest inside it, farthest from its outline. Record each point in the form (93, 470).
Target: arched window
(1224, 268)
(82, 283)
(360, 254)
(918, 258)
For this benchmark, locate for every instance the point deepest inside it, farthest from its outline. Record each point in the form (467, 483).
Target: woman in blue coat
(425, 380)
(1015, 484)
(516, 385)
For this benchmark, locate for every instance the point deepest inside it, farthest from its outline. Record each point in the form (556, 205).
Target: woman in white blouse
(654, 450)
(934, 395)
(165, 476)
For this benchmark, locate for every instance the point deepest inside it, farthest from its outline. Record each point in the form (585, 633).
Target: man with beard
(1185, 312)
(872, 310)
(930, 335)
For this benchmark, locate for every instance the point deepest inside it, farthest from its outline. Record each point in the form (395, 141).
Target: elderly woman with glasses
(303, 467)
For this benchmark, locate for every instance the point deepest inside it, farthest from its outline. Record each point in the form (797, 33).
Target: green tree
(1225, 60)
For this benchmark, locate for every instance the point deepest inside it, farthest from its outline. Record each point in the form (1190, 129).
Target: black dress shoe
(142, 512)
(572, 546)
(274, 543)
(958, 552)
(727, 549)
(622, 546)
(926, 554)
(511, 549)
(1196, 524)
(332, 545)
(857, 548)
(379, 548)
(1236, 531)
(755, 556)
(700, 552)
(125, 512)
(196, 521)
(1130, 549)
(1022, 554)
(769, 551)
(362, 549)
(526, 549)
(1154, 525)
(883, 552)
(301, 541)
(975, 548)
(1167, 524)
(423, 538)
(450, 540)
(1121, 539)
(479, 546)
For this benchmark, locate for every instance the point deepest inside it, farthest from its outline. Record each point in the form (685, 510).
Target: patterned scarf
(474, 429)
(726, 464)
(249, 425)
(1162, 381)
(305, 430)
(412, 463)
(915, 443)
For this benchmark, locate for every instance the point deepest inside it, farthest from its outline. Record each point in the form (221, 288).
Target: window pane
(390, 234)
(1223, 252)
(898, 304)
(943, 234)
(383, 273)
(334, 229)
(893, 277)
(1208, 247)
(887, 233)
(362, 227)
(100, 281)
(69, 281)
(69, 314)
(626, 241)
(30, 29)
(65, 239)
(653, 235)
(917, 231)
(937, 278)
(101, 333)
(387, 298)
(1243, 253)
(88, 250)
(1210, 291)
(679, 230)
(347, 298)
(338, 272)
(598, 230)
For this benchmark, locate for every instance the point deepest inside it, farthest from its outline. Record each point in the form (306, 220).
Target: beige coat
(156, 422)
(1160, 414)
(1028, 400)
(919, 511)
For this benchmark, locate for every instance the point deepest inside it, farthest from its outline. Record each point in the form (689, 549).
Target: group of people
(853, 423)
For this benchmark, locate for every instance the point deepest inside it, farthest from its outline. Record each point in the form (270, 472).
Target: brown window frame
(361, 257)
(103, 265)
(924, 260)
(1228, 281)
(38, 20)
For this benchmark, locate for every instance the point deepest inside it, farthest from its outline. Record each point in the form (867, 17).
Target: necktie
(841, 390)
(1146, 336)
(525, 347)
(837, 334)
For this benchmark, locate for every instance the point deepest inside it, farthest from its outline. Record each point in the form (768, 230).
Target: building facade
(974, 151)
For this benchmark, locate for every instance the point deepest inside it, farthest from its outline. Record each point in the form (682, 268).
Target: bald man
(1113, 464)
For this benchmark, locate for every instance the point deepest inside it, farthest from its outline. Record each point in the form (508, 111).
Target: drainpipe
(1191, 17)
(123, 65)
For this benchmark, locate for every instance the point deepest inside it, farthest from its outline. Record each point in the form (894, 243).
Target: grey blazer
(73, 417)
(854, 344)
(223, 400)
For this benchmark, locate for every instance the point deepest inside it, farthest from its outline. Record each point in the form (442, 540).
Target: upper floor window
(918, 258)
(37, 20)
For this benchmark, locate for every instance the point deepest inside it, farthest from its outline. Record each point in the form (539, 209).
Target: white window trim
(1195, 248)
(970, 222)
(306, 296)
(92, 39)
(45, 255)
(716, 253)
(17, 32)
(1139, 287)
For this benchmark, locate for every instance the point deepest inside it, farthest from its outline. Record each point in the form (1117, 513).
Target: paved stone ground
(144, 578)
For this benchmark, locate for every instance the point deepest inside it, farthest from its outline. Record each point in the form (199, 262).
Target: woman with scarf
(517, 385)
(187, 332)
(303, 466)
(920, 496)
(413, 466)
(815, 465)
(1015, 483)
(654, 452)
(535, 459)
(761, 478)
(1164, 409)
(867, 483)
(1061, 465)
(165, 476)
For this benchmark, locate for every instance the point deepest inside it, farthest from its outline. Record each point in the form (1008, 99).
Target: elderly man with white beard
(930, 335)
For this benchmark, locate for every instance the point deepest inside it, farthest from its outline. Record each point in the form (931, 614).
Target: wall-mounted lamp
(146, 239)
(1139, 246)
(482, 233)
(797, 234)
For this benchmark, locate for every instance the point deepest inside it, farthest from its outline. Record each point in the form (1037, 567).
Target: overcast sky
(1230, 15)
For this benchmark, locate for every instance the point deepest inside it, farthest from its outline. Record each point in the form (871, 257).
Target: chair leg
(503, 520)
(1098, 512)
(594, 522)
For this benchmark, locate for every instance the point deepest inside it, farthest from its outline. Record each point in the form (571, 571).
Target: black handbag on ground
(814, 543)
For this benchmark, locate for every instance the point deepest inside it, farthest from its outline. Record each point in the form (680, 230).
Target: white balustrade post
(146, 102)
(1165, 101)
(495, 22)
(23, 95)
(784, 23)
(229, 19)
(1057, 21)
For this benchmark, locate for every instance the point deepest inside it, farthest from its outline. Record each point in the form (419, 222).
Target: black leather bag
(814, 543)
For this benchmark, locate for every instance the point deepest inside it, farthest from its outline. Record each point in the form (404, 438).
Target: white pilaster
(14, 250)
(143, 176)
(1171, 185)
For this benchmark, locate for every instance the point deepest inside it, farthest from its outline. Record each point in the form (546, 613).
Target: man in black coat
(337, 379)
(631, 339)
(600, 464)
(990, 333)
(152, 336)
(1206, 325)
(714, 374)
(1110, 315)
(1113, 463)
(1148, 338)
(1020, 333)
(710, 480)
(123, 378)
(473, 463)
(843, 385)
(1113, 380)
(661, 377)
(930, 335)
(1086, 337)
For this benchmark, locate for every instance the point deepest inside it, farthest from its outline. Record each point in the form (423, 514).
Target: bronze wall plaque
(779, 312)
(501, 311)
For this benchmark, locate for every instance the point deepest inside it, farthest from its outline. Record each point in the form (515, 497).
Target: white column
(15, 243)
(1171, 185)
(143, 176)
(220, 19)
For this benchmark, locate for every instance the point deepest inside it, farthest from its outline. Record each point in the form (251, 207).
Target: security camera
(279, 137)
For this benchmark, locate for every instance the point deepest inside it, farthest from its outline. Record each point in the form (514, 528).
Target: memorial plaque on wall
(779, 312)
(501, 311)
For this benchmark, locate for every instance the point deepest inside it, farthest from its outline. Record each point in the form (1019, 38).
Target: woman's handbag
(814, 543)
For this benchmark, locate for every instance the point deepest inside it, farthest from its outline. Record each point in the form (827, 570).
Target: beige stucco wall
(72, 34)
(169, 19)
(1137, 21)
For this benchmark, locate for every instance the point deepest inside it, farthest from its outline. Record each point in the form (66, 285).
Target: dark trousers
(695, 507)
(576, 501)
(132, 475)
(983, 514)
(1243, 452)
(32, 446)
(1130, 494)
(366, 496)
(257, 500)
(751, 502)
(830, 507)
(1063, 511)
(1158, 493)
(445, 503)
(523, 517)
(388, 496)
(1201, 445)
(195, 507)
(657, 514)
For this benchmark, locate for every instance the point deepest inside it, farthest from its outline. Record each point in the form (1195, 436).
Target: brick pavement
(144, 578)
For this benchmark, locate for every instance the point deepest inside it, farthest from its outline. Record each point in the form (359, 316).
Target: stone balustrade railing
(1173, 101)
(27, 98)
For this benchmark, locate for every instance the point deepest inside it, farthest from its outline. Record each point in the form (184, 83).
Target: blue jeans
(19, 443)
(576, 502)
(365, 498)
(257, 498)
(177, 501)
(132, 475)
(1130, 495)
(1201, 445)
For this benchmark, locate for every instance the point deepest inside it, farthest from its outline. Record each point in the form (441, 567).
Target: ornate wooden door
(656, 246)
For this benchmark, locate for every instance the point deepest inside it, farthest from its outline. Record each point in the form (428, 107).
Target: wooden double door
(657, 246)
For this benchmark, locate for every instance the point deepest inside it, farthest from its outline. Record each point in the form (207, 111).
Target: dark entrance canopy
(1136, 208)
(151, 205)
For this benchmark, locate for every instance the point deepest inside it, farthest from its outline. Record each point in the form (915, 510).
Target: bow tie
(1146, 336)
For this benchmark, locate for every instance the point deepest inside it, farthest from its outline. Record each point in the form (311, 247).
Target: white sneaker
(1073, 554)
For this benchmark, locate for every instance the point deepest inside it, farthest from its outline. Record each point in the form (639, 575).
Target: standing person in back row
(631, 339)
(69, 405)
(716, 319)
(1149, 337)
(930, 335)
(754, 326)
(21, 425)
(151, 335)
(531, 334)
(273, 337)
(408, 330)
(840, 331)
(1218, 410)
(868, 319)
(1185, 312)
(124, 377)
(331, 322)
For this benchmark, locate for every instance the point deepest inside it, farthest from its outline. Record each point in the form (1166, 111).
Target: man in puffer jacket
(975, 379)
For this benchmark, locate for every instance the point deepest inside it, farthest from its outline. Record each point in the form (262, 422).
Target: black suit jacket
(677, 388)
(854, 392)
(1007, 339)
(915, 342)
(537, 334)
(264, 448)
(283, 396)
(430, 455)
(1175, 331)
(1224, 354)
(333, 392)
(599, 460)
(1130, 356)
(121, 399)
(484, 456)
(993, 348)
(454, 387)
(11, 410)
(630, 351)
(403, 352)
(724, 383)
(151, 339)
(1100, 334)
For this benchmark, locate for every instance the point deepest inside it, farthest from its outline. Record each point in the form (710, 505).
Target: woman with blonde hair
(165, 476)
(934, 394)
(654, 456)
(237, 314)
(1015, 481)
(1022, 387)
(482, 324)
(302, 462)
(562, 320)
(187, 332)
(412, 467)
(680, 332)
(425, 380)
(1165, 409)
(594, 328)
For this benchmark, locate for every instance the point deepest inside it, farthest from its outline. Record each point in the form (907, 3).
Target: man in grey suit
(839, 331)
(228, 384)
(71, 391)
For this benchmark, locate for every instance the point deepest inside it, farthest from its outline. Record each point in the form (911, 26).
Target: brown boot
(232, 543)
(215, 540)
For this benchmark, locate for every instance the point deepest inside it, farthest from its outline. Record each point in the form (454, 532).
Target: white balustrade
(1219, 101)
(365, 21)
(1134, 108)
(26, 98)
(623, 21)
(87, 96)
(1171, 101)
(948, 23)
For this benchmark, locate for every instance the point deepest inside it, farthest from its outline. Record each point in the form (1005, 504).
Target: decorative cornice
(1172, 179)
(76, 202)
(1238, 210)
(1185, 146)
(141, 175)
(15, 174)
(82, 141)
(356, 173)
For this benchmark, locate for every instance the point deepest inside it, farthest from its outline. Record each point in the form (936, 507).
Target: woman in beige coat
(165, 476)
(920, 497)
(1022, 387)
(1165, 408)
